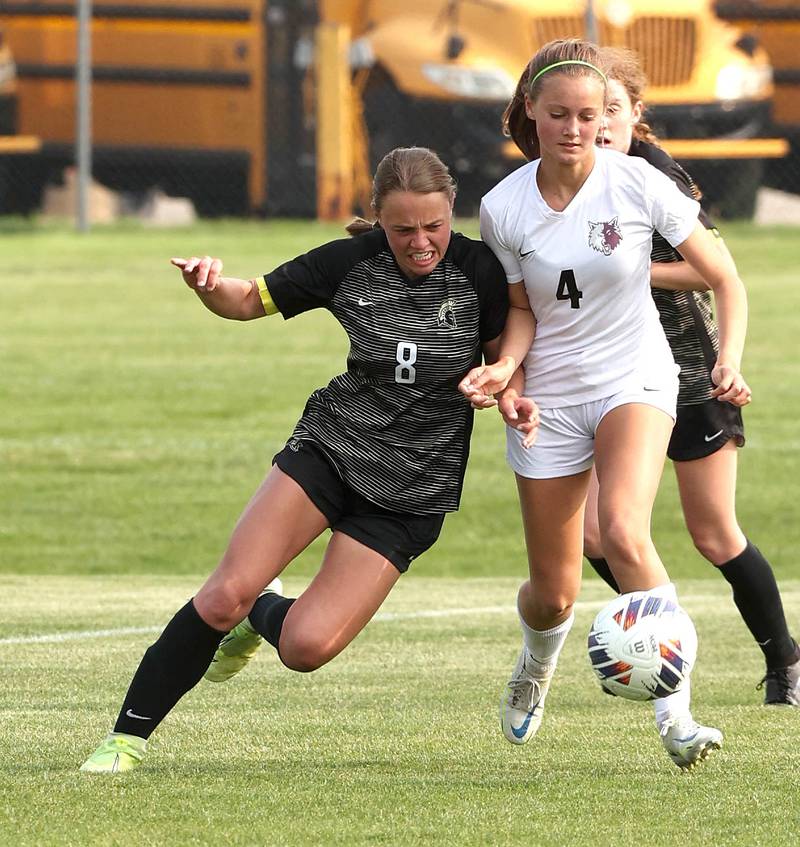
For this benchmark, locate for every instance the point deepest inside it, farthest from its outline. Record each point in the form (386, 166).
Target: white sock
(666, 590)
(544, 645)
(675, 706)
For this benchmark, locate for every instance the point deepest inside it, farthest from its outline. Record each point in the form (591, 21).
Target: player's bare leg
(552, 511)
(276, 525)
(630, 447)
(349, 588)
(308, 632)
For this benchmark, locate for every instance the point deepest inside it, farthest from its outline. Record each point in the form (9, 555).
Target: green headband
(547, 68)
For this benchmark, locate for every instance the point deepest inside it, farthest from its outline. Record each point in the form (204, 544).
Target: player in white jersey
(575, 225)
(589, 286)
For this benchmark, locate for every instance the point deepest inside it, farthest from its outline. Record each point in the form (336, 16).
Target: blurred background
(282, 107)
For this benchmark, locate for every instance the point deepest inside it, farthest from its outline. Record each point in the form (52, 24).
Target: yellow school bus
(775, 26)
(441, 72)
(8, 88)
(179, 95)
(215, 99)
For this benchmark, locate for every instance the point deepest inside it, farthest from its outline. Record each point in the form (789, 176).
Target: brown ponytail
(516, 123)
(358, 226)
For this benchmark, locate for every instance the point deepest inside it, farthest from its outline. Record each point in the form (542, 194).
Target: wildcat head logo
(447, 315)
(604, 236)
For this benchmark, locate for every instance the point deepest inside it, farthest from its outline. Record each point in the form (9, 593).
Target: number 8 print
(405, 371)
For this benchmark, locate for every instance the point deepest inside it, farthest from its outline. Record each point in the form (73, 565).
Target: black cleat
(782, 686)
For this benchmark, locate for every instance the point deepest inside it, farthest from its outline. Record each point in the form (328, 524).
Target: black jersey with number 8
(394, 423)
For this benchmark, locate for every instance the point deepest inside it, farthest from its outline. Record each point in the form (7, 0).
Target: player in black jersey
(378, 455)
(707, 433)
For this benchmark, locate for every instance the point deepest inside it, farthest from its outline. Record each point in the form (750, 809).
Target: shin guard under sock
(170, 668)
(758, 600)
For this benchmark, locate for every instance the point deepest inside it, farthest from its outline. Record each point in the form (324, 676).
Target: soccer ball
(642, 645)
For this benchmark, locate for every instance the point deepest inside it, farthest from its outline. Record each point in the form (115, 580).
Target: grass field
(135, 425)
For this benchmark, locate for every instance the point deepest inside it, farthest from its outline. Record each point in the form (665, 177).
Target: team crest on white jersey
(447, 314)
(604, 236)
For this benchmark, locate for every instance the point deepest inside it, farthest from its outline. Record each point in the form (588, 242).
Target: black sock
(758, 600)
(170, 668)
(268, 614)
(603, 570)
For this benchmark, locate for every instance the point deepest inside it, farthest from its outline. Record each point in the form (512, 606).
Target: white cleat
(522, 703)
(687, 743)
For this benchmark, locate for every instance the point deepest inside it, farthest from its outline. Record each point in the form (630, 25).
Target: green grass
(395, 742)
(136, 424)
(134, 427)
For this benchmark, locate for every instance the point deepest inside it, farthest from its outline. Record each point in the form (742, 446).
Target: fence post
(83, 129)
(334, 123)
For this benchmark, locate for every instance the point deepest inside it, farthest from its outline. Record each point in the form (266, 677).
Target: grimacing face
(418, 228)
(568, 112)
(621, 117)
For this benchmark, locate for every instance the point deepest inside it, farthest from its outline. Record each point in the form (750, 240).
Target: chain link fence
(216, 102)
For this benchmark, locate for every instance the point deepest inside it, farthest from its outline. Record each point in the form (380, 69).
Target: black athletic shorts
(703, 428)
(399, 536)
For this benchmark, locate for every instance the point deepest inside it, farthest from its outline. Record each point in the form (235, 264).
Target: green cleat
(119, 752)
(238, 646)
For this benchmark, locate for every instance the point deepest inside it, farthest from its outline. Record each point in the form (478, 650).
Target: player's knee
(716, 546)
(223, 606)
(623, 541)
(547, 602)
(306, 651)
(553, 606)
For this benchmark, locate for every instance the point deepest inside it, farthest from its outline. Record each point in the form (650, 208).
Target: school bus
(8, 89)
(442, 71)
(179, 96)
(15, 150)
(216, 99)
(775, 25)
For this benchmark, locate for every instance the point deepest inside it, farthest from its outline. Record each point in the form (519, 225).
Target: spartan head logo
(447, 315)
(604, 236)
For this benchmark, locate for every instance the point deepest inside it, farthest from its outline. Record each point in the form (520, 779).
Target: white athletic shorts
(565, 442)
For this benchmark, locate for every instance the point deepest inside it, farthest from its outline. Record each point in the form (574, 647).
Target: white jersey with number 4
(587, 275)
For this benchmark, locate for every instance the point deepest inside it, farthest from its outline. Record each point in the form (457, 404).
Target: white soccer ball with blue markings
(642, 646)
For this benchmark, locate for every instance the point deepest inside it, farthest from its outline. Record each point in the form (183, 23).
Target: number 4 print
(568, 289)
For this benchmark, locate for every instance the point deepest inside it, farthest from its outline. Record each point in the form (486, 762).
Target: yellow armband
(266, 298)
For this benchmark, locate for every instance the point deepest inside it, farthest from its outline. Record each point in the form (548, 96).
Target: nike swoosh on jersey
(715, 435)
